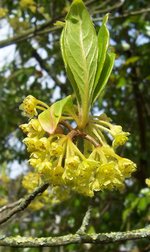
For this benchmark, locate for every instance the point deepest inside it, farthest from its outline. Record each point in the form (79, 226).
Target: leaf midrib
(85, 64)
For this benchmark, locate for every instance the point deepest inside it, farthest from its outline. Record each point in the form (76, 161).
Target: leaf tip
(105, 19)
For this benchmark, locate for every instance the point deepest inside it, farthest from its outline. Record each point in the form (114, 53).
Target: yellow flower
(30, 181)
(73, 162)
(112, 170)
(56, 175)
(3, 201)
(126, 166)
(109, 177)
(33, 128)
(30, 4)
(59, 194)
(36, 204)
(29, 106)
(31, 143)
(115, 129)
(108, 151)
(70, 170)
(33, 8)
(147, 181)
(79, 175)
(3, 12)
(35, 162)
(36, 144)
(26, 3)
(120, 139)
(55, 149)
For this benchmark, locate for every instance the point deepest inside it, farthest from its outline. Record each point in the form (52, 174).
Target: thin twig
(30, 33)
(126, 14)
(92, 140)
(85, 221)
(114, 7)
(24, 203)
(9, 206)
(90, 2)
(104, 210)
(67, 125)
(102, 5)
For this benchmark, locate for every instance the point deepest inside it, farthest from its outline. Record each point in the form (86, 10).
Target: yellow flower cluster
(112, 169)
(3, 12)
(30, 106)
(58, 159)
(119, 136)
(52, 195)
(28, 4)
(147, 181)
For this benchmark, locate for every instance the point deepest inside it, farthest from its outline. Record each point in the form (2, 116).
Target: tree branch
(24, 203)
(11, 205)
(101, 238)
(85, 221)
(35, 31)
(126, 14)
(40, 29)
(116, 6)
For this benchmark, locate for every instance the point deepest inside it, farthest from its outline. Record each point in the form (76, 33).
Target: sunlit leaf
(107, 68)
(80, 50)
(50, 118)
(103, 42)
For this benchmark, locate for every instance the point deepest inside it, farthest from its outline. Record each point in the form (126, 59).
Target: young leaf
(80, 50)
(103, 42)
(107, 68)
(50, 118)
(69, 73)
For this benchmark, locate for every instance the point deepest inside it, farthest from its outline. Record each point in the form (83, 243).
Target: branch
(35, 31)
(85, 222)
(24, 203)
(101, 238)
(116, 6)
(126, 14)
(40, 29)
(11, 205)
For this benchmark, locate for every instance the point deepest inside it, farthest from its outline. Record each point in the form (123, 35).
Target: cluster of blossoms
(3, 12)
(72, 159)
(28, 4)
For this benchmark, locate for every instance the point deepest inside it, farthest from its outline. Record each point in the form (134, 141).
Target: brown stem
(67, 125)
(92, 140)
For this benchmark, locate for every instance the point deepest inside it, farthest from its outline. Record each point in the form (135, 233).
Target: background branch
(85, 221)
(42, 29)
(125, 14)
(114, 7)
(11, 205)
(24, 203)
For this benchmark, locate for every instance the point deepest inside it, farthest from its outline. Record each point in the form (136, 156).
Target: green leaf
(69, 73)
(80, 51)
(103, 43)
(132, 60)
(50, 118)
(107, 68)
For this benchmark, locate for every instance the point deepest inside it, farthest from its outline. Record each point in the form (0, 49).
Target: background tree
(36, 68)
